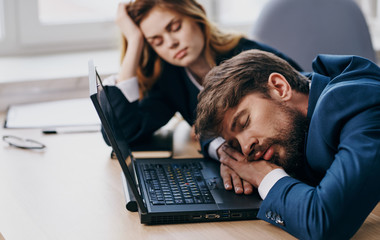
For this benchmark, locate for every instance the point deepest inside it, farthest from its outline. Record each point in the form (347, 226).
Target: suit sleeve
(137, 119)
(209, 147)
(205, 143)
(344, 147)
(345, 196)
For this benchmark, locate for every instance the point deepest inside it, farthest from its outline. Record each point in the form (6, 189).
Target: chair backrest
(304, 28)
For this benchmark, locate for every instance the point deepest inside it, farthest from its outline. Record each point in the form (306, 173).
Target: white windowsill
(26, 79)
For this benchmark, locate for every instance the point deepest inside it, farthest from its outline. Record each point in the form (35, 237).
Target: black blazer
(173, 92)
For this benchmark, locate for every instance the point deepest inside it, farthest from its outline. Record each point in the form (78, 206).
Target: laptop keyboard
(176, 184)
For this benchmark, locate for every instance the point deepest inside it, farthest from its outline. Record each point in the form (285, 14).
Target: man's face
(265, 129)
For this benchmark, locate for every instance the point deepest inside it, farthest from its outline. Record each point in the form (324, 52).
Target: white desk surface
(73, 190)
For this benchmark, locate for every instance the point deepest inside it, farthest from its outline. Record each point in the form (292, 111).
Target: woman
(169, 46)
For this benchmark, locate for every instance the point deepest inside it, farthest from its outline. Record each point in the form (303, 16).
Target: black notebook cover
(159, 145)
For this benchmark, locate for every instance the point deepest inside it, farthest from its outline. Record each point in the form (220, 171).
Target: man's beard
(291, 137)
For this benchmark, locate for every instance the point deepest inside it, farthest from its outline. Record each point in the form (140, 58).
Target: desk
(72, 190)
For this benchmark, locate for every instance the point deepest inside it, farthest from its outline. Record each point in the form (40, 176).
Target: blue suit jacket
(342, 154)
(173, 92)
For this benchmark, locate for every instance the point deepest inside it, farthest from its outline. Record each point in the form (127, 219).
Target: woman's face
(175, 38)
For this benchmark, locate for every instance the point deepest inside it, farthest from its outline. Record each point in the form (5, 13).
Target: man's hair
(227, 84)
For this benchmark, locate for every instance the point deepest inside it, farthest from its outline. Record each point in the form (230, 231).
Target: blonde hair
(150, 66)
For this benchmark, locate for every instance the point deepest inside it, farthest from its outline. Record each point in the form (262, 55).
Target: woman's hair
(227, 84)
(216, 42)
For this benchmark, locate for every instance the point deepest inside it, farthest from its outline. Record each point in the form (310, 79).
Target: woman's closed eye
(156, 41)
(176, 26)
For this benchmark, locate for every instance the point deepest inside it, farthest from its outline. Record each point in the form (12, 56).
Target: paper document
(63, 113)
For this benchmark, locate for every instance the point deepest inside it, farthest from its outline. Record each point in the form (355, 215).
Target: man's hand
(232, 180)
(252, 172)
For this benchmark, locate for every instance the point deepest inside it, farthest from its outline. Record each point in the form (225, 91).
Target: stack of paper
(48, 115)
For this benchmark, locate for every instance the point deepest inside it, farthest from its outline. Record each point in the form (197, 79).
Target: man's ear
(279, 87)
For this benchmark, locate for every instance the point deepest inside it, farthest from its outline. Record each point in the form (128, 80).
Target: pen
(79, 129)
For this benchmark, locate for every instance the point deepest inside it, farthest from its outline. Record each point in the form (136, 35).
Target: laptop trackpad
(217, 189)
(221, 195)
(218, 195)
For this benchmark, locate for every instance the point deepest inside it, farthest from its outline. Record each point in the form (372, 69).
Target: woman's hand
(135, 39)
(126, 25)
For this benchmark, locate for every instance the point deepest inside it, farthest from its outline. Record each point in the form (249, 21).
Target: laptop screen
(111, 130)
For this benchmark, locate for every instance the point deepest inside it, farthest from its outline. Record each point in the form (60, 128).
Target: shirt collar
(318, 84)
(192, 79)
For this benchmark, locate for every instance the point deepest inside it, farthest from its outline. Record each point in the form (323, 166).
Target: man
(312, 147)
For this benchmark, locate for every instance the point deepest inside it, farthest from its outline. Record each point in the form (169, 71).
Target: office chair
(304, 28)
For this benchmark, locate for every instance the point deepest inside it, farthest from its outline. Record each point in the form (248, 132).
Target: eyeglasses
(22, 143)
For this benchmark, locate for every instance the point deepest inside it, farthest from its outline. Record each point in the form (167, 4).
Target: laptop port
(236, 215)
(195, 217)
(225, 214)
(212, 216)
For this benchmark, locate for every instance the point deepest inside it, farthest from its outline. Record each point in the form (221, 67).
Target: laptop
(169, 190)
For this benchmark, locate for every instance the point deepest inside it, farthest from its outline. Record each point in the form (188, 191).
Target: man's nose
(247, 144)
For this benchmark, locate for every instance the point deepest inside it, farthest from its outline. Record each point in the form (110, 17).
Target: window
(75, 11)
(371, 10)
(33, 26)
(61, 22)
(41, 26)
(237, 15)
(1, 20)
(239, 11)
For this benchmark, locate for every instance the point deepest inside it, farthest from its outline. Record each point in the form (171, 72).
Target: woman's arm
(135, 39)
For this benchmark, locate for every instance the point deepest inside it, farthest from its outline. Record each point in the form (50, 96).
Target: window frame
(25, 34)
(371, 11)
